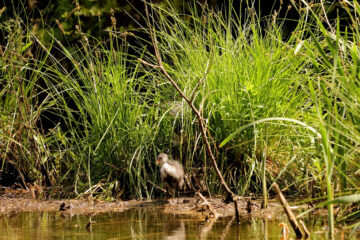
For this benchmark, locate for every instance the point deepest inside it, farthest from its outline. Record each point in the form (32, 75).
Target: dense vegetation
(278, 106)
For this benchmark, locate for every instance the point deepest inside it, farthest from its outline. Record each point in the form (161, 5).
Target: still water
(143, 223)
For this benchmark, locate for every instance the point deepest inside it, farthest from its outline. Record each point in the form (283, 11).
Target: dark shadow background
(94, 17)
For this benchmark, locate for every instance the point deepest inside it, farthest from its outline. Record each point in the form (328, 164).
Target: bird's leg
(172, 195)
(177, 195)
(164, 197)
(169, 196)
(168, 192)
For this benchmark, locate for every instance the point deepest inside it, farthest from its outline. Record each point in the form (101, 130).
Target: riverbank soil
(20, 200)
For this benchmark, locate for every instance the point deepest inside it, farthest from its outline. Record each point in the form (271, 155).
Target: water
(142, 223)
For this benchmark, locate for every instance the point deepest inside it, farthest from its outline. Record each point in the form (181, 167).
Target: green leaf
(345, 199)
(231, 136)
(24, 48)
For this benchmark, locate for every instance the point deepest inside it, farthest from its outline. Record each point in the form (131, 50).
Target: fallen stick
(156, 186)
(207, 204)
(291, 217)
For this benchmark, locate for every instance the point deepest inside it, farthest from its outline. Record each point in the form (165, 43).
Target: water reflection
(226, 230)
(173, 230)
(143, 223)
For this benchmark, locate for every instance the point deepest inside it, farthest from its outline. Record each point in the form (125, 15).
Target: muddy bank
(20, 200)
(10, 202)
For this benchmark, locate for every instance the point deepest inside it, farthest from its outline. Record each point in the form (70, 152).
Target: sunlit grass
(24, 147)
(278, 108)
(253, 74)
(113, 117)
(257, 81)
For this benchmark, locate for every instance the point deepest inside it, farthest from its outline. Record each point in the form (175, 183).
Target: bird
(171, 173)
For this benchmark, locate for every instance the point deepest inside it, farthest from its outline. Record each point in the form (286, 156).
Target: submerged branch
(292, 219)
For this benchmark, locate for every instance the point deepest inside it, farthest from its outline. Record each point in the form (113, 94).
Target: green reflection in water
(142, 223)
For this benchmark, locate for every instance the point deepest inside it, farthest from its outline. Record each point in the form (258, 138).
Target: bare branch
(148, 64)
(152, 34)
(198, 114)
(326, 18)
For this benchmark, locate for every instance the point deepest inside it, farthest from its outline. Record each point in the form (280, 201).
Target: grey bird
(172, 174)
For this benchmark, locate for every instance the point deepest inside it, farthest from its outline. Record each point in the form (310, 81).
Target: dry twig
(207, 204)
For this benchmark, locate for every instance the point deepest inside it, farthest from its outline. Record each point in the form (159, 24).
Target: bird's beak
(157, 161)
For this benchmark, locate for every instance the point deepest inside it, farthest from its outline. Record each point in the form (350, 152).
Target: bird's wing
(170, 170)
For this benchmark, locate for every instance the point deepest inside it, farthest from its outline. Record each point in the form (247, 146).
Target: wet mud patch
(23, 201)
(189, 206)
(73, 206)
(183, 218)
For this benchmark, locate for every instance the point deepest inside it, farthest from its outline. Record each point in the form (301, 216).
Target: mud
(12, 201)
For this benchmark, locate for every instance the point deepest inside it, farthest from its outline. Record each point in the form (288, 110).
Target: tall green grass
(253, 74)
(111, 120)
(262, 84)
(24, 148)
(334, 53)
